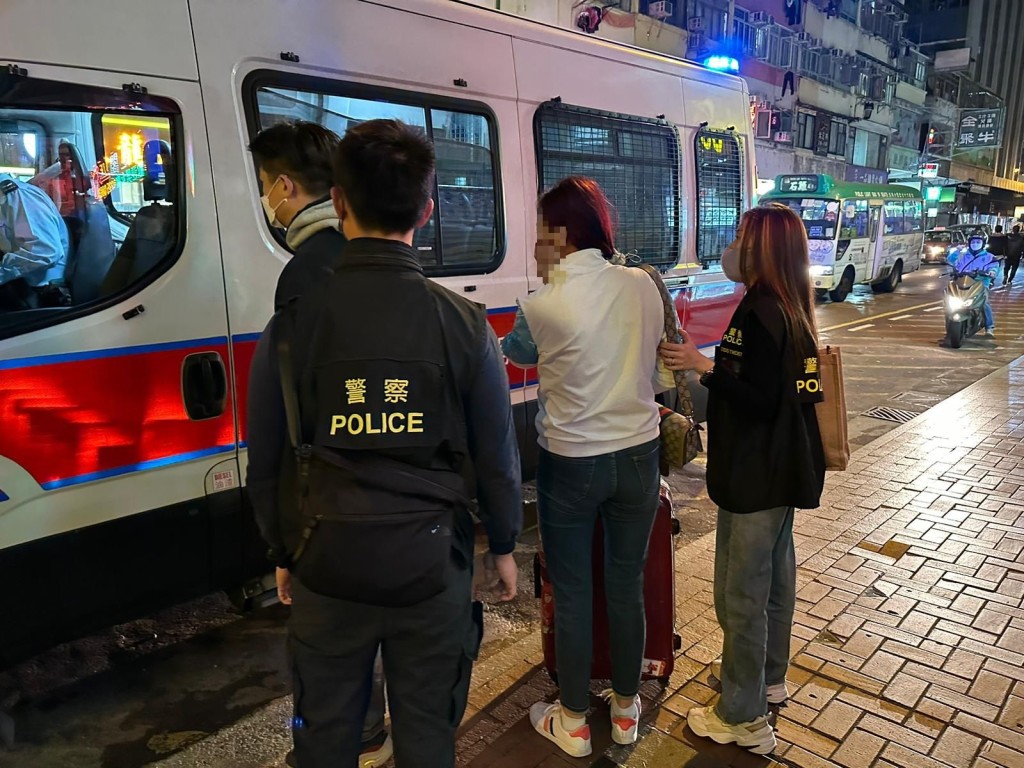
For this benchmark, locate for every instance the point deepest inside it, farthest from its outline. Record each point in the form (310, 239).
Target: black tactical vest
(382, 361)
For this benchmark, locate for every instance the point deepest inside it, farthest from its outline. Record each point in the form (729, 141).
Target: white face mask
(731, 263)
(271, 210)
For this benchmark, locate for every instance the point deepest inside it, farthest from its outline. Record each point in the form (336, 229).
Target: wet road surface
(895, 354)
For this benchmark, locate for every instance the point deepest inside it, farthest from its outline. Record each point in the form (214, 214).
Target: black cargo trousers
(428, 651)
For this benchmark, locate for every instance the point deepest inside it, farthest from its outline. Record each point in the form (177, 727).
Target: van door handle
(204, 385)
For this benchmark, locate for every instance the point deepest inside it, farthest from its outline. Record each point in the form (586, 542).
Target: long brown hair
(773, 255)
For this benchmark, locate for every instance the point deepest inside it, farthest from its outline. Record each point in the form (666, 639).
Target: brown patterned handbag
(680, 433)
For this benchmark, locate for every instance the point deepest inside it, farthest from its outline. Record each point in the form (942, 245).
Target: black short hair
(385, 169)
(300, 150)
(999, 227)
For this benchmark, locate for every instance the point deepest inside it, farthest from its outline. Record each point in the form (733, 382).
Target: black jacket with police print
(365, 347)
(764, 447)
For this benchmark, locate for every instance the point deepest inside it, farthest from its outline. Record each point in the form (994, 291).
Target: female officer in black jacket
(764, 460)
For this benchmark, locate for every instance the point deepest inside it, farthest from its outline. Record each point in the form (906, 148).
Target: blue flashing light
(721, 63)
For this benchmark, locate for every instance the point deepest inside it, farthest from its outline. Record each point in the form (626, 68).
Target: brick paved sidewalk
(908, 646)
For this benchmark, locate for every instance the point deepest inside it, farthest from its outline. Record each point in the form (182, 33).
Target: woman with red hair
(592, 331)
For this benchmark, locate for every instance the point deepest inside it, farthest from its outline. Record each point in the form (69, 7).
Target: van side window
(465, 235)
(634, 159)
(719, 191)
(89, 208)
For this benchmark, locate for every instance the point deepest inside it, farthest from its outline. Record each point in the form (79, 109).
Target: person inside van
(294, 162)
(34, 247)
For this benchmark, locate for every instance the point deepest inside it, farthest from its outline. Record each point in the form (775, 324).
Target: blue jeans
(621, 487)
(755, 594)
(990, 319)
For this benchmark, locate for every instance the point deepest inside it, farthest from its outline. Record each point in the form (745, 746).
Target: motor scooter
(964, 302)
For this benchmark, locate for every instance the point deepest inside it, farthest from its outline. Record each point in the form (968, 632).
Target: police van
(123, 412)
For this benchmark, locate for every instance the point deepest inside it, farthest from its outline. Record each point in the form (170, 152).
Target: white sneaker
(716, 669)
(777, 694)
(547, 721)
(756, 735)
(625, 722)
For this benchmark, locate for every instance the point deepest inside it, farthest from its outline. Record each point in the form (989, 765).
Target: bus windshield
(819, 216)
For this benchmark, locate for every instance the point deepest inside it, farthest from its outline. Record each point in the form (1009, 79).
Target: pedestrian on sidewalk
(293, 161)
(998, 245)
(1014, 251)
(592, 330)
(394, 432)
(765, 459)
(294, 164)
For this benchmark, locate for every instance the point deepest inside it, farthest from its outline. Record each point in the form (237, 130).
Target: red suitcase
(659, 601)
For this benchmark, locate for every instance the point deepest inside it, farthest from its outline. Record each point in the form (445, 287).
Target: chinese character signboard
(866, 175)
(805, 183)
(823, 130)
(979, 128)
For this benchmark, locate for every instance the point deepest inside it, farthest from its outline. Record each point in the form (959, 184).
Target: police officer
(403, 413)
(33, 248)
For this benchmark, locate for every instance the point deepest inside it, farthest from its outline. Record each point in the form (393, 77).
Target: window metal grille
(719, 191)
(634, 159)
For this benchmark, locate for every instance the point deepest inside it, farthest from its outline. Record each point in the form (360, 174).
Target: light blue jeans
(990, 319)
(755, 595)
(622, 487)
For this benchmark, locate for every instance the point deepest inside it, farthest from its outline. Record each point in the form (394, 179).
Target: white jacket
(596, 328)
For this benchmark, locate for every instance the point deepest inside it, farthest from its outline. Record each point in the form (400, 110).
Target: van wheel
(841, 291)
(955, 333)
(892, 281)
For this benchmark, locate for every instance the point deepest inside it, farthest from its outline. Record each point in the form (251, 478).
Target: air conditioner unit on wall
(660, 9)
(837, 52)
(804, 37)
(760, 18)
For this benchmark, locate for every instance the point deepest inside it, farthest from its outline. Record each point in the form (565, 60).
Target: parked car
(940, 244)
(969, 229)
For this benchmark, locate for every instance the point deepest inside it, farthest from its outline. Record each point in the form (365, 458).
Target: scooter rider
(976, 259)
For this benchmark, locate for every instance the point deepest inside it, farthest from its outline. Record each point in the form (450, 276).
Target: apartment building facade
(864, 90)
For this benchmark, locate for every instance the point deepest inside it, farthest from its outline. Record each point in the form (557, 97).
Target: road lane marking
(934, 309)
(879, 317)
(902, 317)
(862, 327)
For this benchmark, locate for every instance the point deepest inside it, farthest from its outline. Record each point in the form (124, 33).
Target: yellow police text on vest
(377, 423)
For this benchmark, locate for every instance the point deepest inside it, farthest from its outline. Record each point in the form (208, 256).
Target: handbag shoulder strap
(671, 317)
(672, 333)
(286, 375)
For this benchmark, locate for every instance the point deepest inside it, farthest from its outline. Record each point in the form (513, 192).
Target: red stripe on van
(67, 418)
